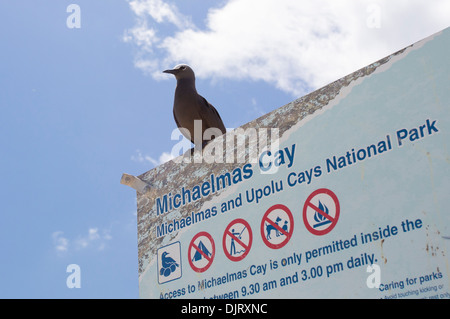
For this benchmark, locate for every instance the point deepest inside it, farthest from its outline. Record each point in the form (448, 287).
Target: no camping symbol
(321, 211)
(201, 252)
(237, 239)
(277, 226)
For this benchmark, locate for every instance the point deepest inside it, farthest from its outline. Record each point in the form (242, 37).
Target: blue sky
(81, 106)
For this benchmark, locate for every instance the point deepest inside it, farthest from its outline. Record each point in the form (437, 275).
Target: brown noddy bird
(189, 106)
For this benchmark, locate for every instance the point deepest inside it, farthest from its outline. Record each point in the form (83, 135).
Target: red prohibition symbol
(321, 211)
(237, 240)
(277, 226)
(201, 252)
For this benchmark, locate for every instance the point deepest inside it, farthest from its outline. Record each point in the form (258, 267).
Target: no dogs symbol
(277, 226)
(321, 211)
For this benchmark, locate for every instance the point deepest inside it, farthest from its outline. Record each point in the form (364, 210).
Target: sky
(83, 100)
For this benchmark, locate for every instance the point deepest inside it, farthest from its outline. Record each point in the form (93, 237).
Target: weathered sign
(350, 201)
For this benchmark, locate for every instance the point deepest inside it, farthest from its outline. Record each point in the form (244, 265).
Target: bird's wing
(179, 126)
(170, 260)
(175, 118)
(210, 115)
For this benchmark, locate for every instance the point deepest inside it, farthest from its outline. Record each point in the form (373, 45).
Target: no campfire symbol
(321, 211)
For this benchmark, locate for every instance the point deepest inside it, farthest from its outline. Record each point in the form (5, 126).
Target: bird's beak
(170, 71)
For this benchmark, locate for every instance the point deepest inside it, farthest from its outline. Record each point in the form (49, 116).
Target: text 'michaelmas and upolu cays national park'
(285, 156)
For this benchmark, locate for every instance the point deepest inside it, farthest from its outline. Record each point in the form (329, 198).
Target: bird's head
(164, 254)
(182, 71)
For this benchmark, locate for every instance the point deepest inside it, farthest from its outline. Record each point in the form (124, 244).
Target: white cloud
(293, 45)
(94, 238)
(93, 234)
(140, 158)
(165, 157)
(145, 37)
(160, 11)
(60, 243)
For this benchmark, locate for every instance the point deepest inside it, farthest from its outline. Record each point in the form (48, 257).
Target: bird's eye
(182, 68)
